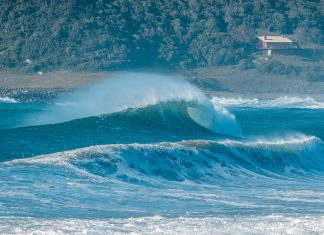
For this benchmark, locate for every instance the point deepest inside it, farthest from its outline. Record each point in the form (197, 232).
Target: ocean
(147, 153)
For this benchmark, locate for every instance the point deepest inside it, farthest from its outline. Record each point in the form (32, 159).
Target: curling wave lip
(138, 90)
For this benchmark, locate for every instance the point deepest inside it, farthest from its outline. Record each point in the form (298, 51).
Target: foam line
(281, 102)
(7, 100)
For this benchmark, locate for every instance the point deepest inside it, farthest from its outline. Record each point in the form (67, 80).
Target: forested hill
(117, 34)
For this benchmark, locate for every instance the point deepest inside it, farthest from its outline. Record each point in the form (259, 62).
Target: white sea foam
(272, 224)
(7, 100)
(307, 152)
(61, 157)
(281, 102)
(296, 139)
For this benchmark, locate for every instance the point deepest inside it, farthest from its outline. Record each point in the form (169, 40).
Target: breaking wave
(281, 102)
(138, 90)
(198, 160)
(7, 100)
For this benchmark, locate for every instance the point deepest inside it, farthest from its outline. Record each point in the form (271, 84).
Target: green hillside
(127, 34)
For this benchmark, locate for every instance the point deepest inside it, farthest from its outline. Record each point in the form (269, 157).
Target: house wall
(277, 45)
(274, 45)
(287, 52)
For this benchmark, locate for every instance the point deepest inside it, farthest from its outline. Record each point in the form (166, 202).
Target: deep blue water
(156, 160)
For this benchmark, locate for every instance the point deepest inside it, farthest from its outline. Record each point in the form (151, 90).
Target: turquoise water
(156, 165)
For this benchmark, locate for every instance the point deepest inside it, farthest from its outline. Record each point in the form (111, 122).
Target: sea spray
(280, 102)
(7, 100)
(138, 90)
(195, 160)
(156, 161)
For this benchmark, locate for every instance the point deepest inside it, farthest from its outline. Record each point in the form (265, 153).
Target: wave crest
(138, 90)
(281, 102)
(7, 100)
(199, 160)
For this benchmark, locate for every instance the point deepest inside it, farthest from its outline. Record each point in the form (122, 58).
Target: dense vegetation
(114, 34)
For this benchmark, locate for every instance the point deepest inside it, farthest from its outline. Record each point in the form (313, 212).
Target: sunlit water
(154, 168)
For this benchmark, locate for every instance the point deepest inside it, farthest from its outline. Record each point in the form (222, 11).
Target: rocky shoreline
(214, 82)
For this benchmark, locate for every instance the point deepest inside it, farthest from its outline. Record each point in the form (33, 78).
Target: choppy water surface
(160, 157)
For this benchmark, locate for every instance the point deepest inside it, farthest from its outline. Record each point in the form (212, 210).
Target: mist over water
(139, 151)
(138, 90)
(147, 153)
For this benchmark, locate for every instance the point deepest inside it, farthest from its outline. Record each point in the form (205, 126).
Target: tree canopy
(115, 34)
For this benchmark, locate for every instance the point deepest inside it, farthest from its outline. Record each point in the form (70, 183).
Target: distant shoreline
(57, 79)
(220, 81)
